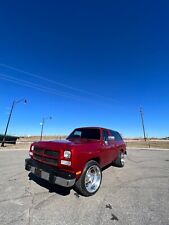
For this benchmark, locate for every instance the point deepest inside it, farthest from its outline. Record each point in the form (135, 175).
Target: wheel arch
(123, 151)
(97, 159)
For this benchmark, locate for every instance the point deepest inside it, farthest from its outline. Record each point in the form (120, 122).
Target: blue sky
(85, 63)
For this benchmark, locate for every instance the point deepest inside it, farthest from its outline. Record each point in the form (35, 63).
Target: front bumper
(50, 174)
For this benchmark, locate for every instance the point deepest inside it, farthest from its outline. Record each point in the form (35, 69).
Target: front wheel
(90, 180)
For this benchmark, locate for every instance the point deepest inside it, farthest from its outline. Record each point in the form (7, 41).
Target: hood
(63, 143)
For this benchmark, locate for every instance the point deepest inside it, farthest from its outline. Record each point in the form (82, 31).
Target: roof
(93, 128)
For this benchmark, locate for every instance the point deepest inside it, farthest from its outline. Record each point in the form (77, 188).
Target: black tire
(80, 185)
(119, 162)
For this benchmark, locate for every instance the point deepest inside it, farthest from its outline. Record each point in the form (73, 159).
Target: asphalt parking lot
(134, 195)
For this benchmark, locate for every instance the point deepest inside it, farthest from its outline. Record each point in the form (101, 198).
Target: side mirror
(111, 138)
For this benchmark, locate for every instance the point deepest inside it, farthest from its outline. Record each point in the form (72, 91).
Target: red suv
(78, 160)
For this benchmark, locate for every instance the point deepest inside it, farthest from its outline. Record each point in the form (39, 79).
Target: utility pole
(9, 118)
(42, 124)
(142, 122)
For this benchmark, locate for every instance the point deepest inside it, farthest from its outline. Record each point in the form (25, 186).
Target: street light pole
(42, 124)
(142, 122)
(9, 118)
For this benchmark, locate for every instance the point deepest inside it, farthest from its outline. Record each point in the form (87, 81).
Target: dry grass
(37, 138)
(148, 144)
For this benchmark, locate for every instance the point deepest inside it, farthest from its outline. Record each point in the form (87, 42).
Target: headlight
(67, 154)
(32, 147)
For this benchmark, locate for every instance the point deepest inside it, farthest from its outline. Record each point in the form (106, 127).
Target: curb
(151, 149)
(7, 150)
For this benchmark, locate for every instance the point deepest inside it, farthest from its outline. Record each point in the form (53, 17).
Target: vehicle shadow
(109, 165)
(51, 187)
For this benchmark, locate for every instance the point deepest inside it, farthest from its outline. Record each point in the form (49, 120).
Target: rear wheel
(120, 161)
(90, 180)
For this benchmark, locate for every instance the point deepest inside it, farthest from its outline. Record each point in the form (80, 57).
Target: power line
(37, 87)
(55, 82)
(42, 88)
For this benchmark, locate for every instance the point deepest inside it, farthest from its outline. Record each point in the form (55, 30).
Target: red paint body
(82, 150)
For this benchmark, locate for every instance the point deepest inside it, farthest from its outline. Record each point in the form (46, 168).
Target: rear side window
(116, 135)
(119, 138)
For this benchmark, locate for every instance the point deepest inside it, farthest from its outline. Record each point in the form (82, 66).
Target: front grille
(37, 157)
(38, 150)
(52, 161)
(46, 156)
(51, 153)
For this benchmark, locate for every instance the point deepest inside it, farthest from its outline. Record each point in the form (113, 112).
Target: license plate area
(38, 172)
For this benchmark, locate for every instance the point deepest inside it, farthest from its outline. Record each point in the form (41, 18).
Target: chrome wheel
(122, 158)
(92, 179)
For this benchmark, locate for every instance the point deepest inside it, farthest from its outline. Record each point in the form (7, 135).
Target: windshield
(88, 133)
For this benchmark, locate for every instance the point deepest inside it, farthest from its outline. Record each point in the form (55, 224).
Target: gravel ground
(134, 195)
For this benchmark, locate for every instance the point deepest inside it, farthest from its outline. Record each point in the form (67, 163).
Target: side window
(119, 138)
(116, 135)
(113, 133)
(77, 133)
(105, 135)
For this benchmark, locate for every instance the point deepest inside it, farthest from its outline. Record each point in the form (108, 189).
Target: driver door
(106, 148)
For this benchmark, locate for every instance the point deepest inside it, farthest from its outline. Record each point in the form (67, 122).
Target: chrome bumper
(52, 178)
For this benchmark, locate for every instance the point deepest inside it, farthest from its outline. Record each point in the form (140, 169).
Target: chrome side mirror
(111, 138)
